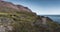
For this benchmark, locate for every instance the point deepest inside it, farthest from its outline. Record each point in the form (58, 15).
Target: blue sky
(41, 7)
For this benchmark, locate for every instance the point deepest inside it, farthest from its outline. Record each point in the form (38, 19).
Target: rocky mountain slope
(17, 18)
(8, 5)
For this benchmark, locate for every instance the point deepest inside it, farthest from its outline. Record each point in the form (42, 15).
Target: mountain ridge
(13, 6)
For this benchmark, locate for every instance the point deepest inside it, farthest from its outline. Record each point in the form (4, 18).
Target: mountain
(17, 18)
(9, 5)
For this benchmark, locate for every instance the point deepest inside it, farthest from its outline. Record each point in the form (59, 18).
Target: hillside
(9, 5)
(17, 18)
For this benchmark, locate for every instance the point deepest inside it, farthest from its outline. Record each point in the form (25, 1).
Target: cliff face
(17, 18)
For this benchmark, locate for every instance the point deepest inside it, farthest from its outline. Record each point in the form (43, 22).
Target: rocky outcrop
(5, 24)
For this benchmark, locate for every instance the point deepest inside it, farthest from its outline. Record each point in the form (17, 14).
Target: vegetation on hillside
(26, 22)
(12, 20)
